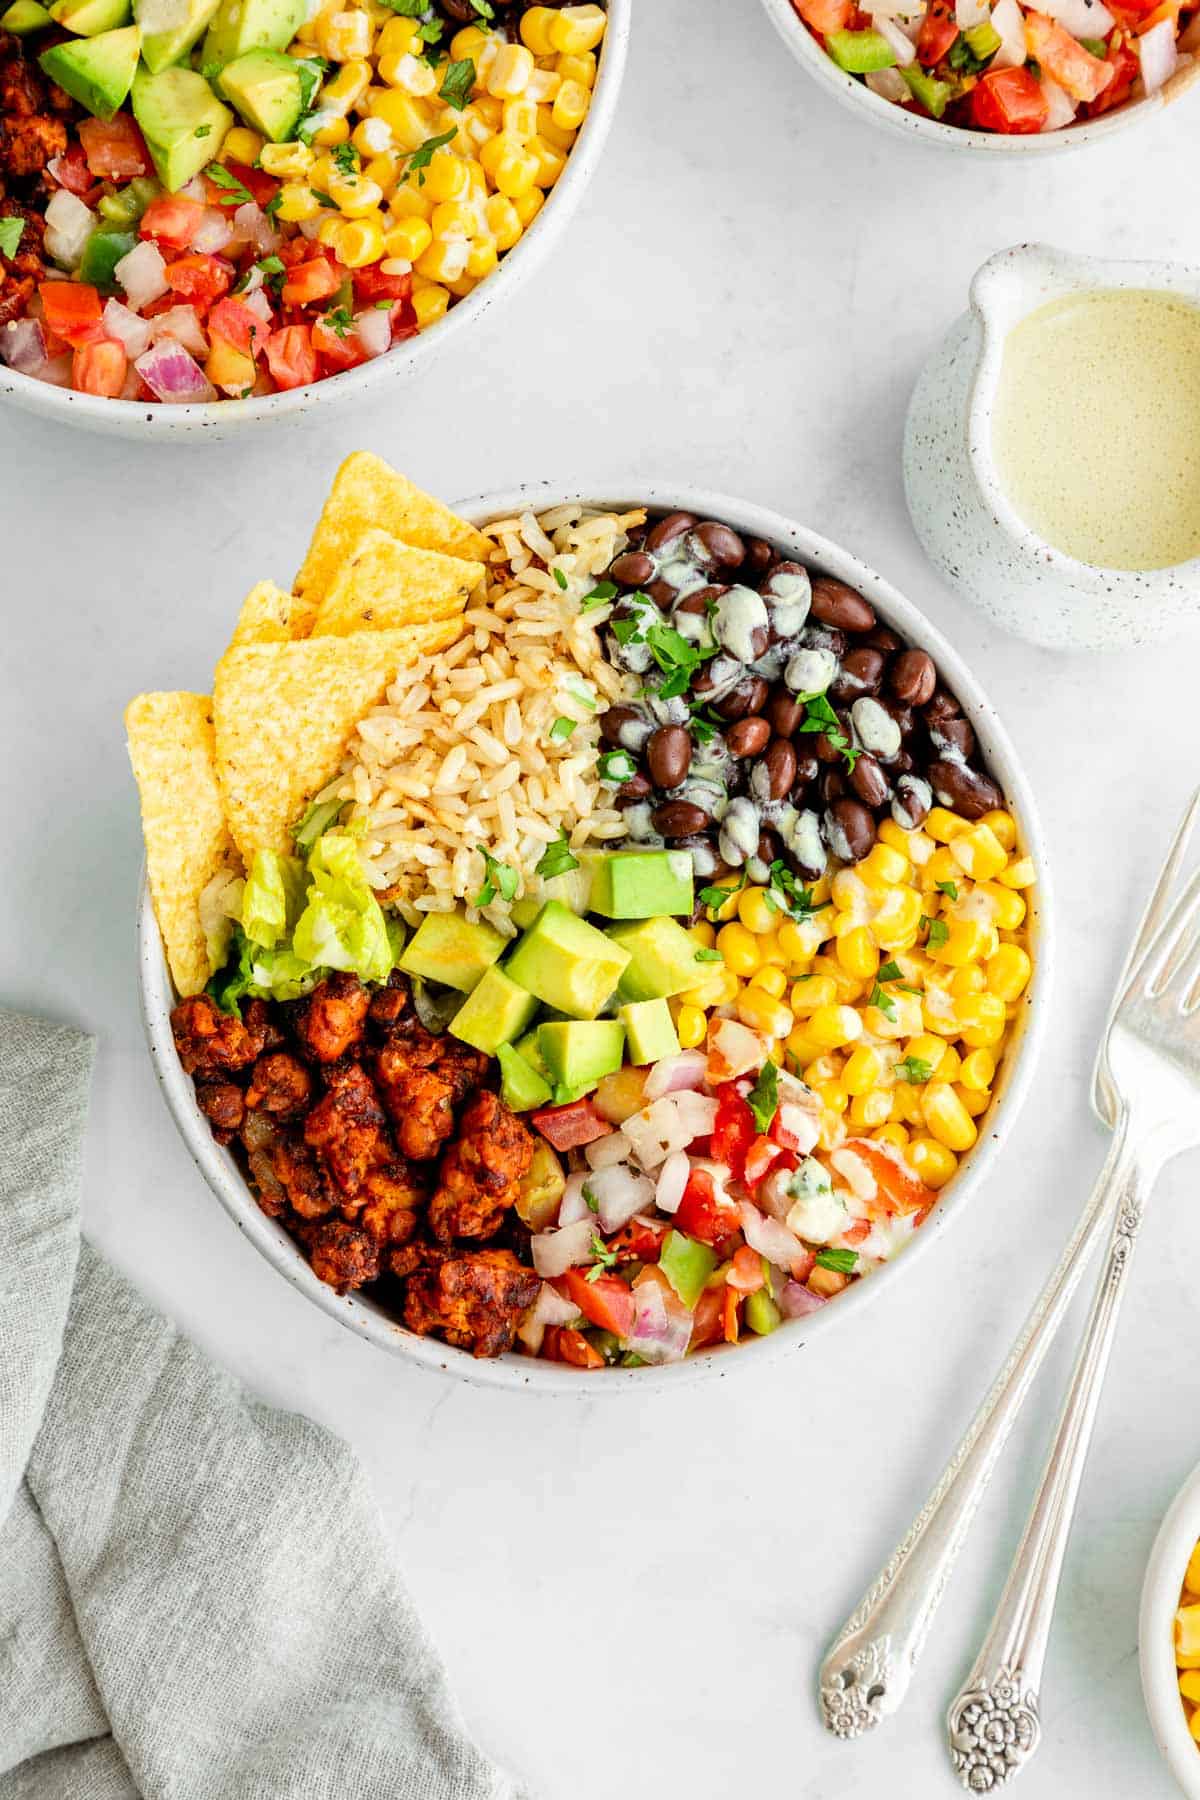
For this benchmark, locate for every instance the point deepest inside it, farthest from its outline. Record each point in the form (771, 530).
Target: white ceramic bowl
(858, 96)
(232, 418)
(1156, 1635)
(361, 1314)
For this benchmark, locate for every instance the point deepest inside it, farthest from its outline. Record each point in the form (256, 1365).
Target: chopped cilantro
(499, 879)
(347, 158)
(580, 691)
(883, 1000)
(560, 578)
(322, 198)
(419, 160)
(202, 131)
(601, 594)
(210, 70)
(626, 632)
(590, 1200)
(483, 9)
(676, 657)
(787, 895)
(557, 859)
(949, 888)
(820, 716)
(384, 305)
(339, 321)
(709, 956)
(605, 1258)
(939, 931)
(232, 192)
(715, 897)
(457, 83)
(841, 1260)
(914, 1069)
(409, 9)
(10, 235)
(273, 204)
(763, 1098)
(561, 729)
(890, 971)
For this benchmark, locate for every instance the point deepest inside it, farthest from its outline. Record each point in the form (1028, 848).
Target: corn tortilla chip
(366, 493)
(269, 616)
(171, 748)
(284, 713)
(386, 584)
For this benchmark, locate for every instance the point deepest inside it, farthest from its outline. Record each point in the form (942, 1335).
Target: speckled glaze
(914, 126)
(227, 419)
(959, 510)
(1156, 1636)
(363, 1315)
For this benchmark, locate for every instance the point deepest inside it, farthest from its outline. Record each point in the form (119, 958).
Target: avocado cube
(98, 71)
(573, 889)
(578, 1052)
(662, 959)
(242, 25)
(494, 1013)
(529, 1048)
(181, 120)
(446, 947)
(270, 91)
(649, 1031)
(170, 28)
(641, 884)
(24, 16)
(88, 18)
(567, 963)
(521, 1087)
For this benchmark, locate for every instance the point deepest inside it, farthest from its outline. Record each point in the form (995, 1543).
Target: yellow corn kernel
(429, 303)
(576, 28)
(1186, 1662)
(520, 120)
(978, 1070)
(570, 106)
(398, 38)
(895, 836)
(1008, 972)
(944, 825)
(1191, 1579)
(529, 205)
(702, 935)
(343, 37)
(848, 893)
(966, 941)
(1002, 826)
(1187, 1630)
(934, 1163)
(329, 136)
(452, 219)
(690, 1027)
(833, 1096)
(946, 1117)
(550, 161)
(982, 1020)
(556, 135)
(329, 231)
(354, 195)
(979, 852)
(849, 988)
(361, 241)
(755, 911)
(1194, 1725)
(503, 221)
(882, 867)
(385, 170)
(1189, 1686)
(825, 1067)
(891, 1133)
(535, 29)
(800, 1047)
(898, 917)
(444, 261)
(411, 203)
(926, 1048)
(771, 980)
(509, 74)
(409, 121)
(241, 145)
(347, 87)
(867, 1111)
(1018, 874)
(289, 161)
(863, 1071)
(482, 258)
(973, 1101)
(728, 908)
(762, 1012)
(581, 67)
(857, 953)
(970, 980)
(813, 991)
(512, 168)
(902, 1019)
(469, 42)
(708, 992)
(950, 1065)
(906, 1104)
(738, 947)
(296, 203)
(833, 1026)
(411, 74)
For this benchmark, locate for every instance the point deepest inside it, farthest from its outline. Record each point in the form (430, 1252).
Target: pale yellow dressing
(1096, 431)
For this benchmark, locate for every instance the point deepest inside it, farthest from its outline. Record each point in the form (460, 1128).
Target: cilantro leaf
(340, 321)
(883, 1000)
(820, 716)
(561, 729)
(457, 83)
(763, 1098)
(890, 971)
(709, 956)
(419, 159)
(560, 578)
(605, 1258)
(939, 931)
(483, 9)
(601, 594)
(949, 888)
(914, 1069)
(841, 1260)
(500, 878)
(11, 230)
(232, 192)
(322, 198)
(347, 158)
(715, 897)
(202, 131)
(557, 859)
(590, 1200)
(787, 895)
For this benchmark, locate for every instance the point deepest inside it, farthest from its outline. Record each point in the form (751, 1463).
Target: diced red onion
(69, 225)
(57, 371)
(182, 324)
(661, 1331)
(603, 1152)
(374, 328)
(573, 1206)
(259, 304)
(252, 224)
(668, 1125)
(1008, 22)
(1060, 108)
(796, 1300)
(554, 1252)
(23, 346)
(673, 1073)
(173, 376)
(734, 1049)
(619, 1193)
(771, 1239)
(672, 1179)
(969, 12)
(901, 43)
(1082, 18)
(1159, 55)
(195, 189)
(309, 227)
(548, 1309)
(142, 274)
(128, 330)
(214, 231)
(889, 84)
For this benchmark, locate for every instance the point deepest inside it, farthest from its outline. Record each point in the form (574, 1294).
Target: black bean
(769, 846)
(661, 592)
(807, 765)
(854, 823)
(869, 781)
(723, 545)
(635, 789)
(902, 714)
(669, 755)
(913, 677)
(699, 599)
(749, 696)
(861, 673)
(833, 603)
(679, 818)
(749, 737)
(964, 790)
(784, 711)
(911, 803)
(957, 733)
(824, 637)
(612, 721)
(941, 706)
(883, 639)
(832, 786)
(760, 556)
(668, 528)
(632, 569)
(780, 766)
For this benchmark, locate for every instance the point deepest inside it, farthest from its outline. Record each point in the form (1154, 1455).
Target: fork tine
(1172, 945)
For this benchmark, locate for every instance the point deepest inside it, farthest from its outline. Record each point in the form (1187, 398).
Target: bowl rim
(364, 1316)
(884, 113)
(128, 418)
(1176, 1539)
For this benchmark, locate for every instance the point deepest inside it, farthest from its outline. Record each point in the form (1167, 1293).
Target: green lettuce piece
(320, 814)
(274, 898)
(281, 975)
(342, 926)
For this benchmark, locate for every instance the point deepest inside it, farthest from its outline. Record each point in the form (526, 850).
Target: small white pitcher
(961, 513)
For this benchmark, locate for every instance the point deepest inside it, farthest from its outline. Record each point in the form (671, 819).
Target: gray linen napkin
(196, 1597)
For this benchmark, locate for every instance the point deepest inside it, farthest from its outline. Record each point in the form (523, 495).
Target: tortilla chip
(367, 493)
(387, 584)
(269, 616)
(284, 713)
(172, 751)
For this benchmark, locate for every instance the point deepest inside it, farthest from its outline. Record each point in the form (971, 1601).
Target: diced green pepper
(933, 94)
(687, 1265)
(984, 39)
(608, 1345)
(762, 1314)
(1097, 46)
(101, 254)
(860, 52)
(127, 205)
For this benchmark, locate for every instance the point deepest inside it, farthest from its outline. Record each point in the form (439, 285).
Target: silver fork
(867, 1670)
(1153, 1054)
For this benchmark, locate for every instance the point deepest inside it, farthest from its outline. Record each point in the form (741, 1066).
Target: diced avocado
(649, 1030)
(494, 1013)
(573, 889)
(541, 1188)
(521, 1087)
(529, 1048)
(446, 947)
(88, 18)
(101, 254)
(24, 16)
(182, 122)
(642, 884)
(170, 28)
(242, 25)
(271, 91)
(662, 959)
(567, 963)
(578, 1052)
(97, 71)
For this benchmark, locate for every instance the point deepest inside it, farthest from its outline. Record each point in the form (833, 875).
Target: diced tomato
(733, 1133)
(371, 285)
(1126, 69)
(291, 357)
(567, 1127)
(239, 325)
(937, 34)
(746, 1271)
(760, 1158)
(71, 310)
(708, 1320)
(1009, 100)
(730, 1302)
(562, 1344)
(857, 1232)
(315, 279)
(824, 16)
(896, 1190)
(1084, 76)
(172, 220)
(638, 1242)
(260, 186)
(115, 151)
(706, 1215)
(99, 368)
(607, 1301)
(336, 351)
(199, 279)
(70, 170)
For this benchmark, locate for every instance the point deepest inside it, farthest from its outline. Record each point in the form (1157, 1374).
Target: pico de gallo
(1007, 67)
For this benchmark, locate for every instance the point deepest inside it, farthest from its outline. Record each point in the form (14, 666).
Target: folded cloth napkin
(196, 1596)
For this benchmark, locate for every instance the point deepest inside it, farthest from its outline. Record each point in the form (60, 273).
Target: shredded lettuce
(320, 815)
(220, 908)
(274, 898)
(342, 926)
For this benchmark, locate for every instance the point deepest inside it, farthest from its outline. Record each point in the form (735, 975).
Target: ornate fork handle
(994, 1721)
(868, 1668)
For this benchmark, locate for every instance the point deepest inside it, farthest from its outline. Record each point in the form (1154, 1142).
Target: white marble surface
(633, 1594)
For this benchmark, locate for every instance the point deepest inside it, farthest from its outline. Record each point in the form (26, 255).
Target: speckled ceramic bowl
(962, 514)
(235, 418)
(1156, 1635)
(361, 1314)
(916, 127)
